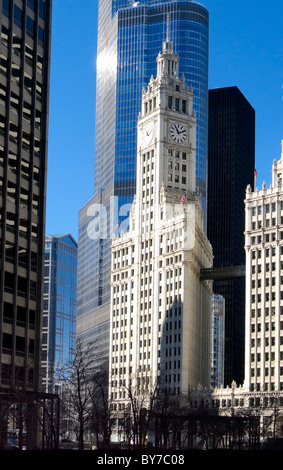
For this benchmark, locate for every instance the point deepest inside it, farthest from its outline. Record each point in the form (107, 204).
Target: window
(38, 90)
(40, 34)
(17, 45)
(31, 4)
(30, 26)
(29, 55)
(27, 110)
(15, 101)
(18, 16)
(177, 104)
(3, 92)
(3, 63)
(15, 73)
(28, 82)
(14, 131)
(39, 62)
(6, 8)
(4, 35)
(41, 9)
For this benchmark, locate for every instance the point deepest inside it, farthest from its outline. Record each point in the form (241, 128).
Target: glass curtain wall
(126, 60)
(59, 308)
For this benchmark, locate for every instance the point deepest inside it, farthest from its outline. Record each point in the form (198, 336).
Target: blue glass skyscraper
(130, 36)
(59, 308)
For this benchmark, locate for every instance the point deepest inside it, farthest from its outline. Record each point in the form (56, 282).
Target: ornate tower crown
(167, 61)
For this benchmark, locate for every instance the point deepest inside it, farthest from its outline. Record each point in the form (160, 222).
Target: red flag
(184, 198)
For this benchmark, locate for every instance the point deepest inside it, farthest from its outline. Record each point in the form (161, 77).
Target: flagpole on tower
(255, 177)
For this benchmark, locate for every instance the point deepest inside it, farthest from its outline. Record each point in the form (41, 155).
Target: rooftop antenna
(168, 28)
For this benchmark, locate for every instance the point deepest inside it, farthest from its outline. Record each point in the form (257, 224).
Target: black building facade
(25, 28)
(231, 165)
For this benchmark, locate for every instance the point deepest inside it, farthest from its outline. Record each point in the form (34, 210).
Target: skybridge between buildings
(222, 272)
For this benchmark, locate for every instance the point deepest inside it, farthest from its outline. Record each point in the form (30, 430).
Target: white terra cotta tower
(160, 310)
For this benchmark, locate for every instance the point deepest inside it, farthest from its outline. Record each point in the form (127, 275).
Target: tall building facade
(264, 286)
(231, 165)
(24, 101)
(130, 35)
(160, 309)
(217, 340)
(59, 309)
(261, 394)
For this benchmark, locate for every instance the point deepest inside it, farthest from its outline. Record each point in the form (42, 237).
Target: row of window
(266, 312)
(14, 163)
(269, 267)
(258, 285)
(268, 371)
(257, 343)
(16, 73)
(23, 285)
(267, 238)
(269, 252)
(18, 17)
(265, 387)
(256, 327)
(240, 402)
(266, 208)
(173, 103)
(15, 134)
(22, 315)
(30, 4)
(268, 296)
(15, 106)
(30, 55)
(11, 224)
(25, 197)
(22, 254)
(268, 223)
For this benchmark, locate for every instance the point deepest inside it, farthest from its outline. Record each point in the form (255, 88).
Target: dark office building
(231, 165)
(24, 89)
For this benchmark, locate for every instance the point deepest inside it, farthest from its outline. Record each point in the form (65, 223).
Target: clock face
(178, 133)
(148, 134)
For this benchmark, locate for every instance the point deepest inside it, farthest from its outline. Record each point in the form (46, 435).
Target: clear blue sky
(246, 50)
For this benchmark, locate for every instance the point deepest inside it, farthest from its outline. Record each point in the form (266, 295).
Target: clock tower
(167, 126)
(160, 309)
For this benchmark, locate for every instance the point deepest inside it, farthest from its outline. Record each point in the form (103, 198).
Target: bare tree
(101, 414)
(138, 412)
(77, 389)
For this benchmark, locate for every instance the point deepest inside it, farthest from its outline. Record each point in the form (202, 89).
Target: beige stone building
(264, 286)
(261, 394)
